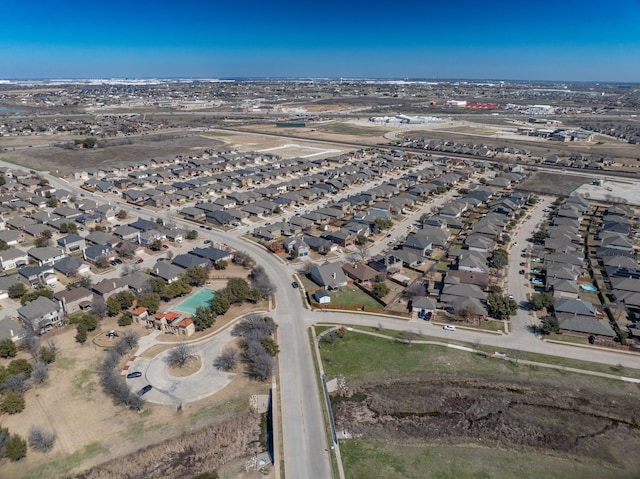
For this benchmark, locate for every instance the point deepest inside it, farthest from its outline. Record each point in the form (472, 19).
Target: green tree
(238, 288)
(383, 223)
(500, 306)
(41, 242)
(197, 275)
(222, 264)
(17, 290)
(18, 366)
(270, 346)
(380, 289)
(192, 235)
(35, 294)
(203, 318)
(52, 202)
(8, 348)
(16, 448)
(81, 333)
(361, 239)
(151, 301)
(89, 142)
(156, 245)
(125, 319)
(499, 258)
(48, 354)
(126, 299)
(541, 300)
(540, 235)
(550, 325)
(158, 285)
(12, 402)
(3, 245)
(221, 303)
(113, 306)
(84, 318)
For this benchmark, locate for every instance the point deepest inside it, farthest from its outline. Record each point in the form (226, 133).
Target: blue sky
(570, 40)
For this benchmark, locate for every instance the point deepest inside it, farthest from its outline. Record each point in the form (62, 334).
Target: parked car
(118, 261)
(165, 246)
(522, 263)
(207, 241)
(521, 271)
(145, 389)
(449, 327)
(135, 374)
(139, 261)
(295, 284)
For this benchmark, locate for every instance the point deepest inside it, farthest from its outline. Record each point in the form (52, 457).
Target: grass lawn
(352, 296)
(346, 129)
(354, 355)
(568, 338)
(364, 459)
(442, 266)
(491, 325)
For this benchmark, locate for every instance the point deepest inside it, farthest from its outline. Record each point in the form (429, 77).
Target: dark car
(521, 271)
(145, 389)
(140, 261)
(135, 374)
(294, 284)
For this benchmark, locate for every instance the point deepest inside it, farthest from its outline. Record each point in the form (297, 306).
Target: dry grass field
(44, 156)
(91, 430)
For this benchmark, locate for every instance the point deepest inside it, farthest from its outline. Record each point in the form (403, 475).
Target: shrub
(12, 402)
(16, 448)
(41, 439)
(8, 348)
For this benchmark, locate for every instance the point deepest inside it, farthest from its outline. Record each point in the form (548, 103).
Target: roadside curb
(588, 346)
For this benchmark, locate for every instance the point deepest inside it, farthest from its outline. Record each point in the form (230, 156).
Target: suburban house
(424, 306)
(41, 315)
(71, 266)
(74, 300)
(109, 287)
(213, 254)
(46, 255)
(166, 271)
(96, 253)
(13, 258)
(71, 243)
(360, 272)
(329, 275)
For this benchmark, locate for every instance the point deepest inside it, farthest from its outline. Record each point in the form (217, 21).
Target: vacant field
(422, 406)
(350, 129)
(52, 158)
(559, 184)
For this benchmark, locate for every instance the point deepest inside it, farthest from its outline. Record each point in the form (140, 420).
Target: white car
(449, 327)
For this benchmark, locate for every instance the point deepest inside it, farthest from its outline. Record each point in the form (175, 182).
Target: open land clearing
(45, 156)
(430, 411)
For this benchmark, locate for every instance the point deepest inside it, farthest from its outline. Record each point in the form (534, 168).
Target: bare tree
(130, 339)
(179, 355)
(362, 252)
(41, 439)
(99, 307)
(254, 327)
(31, 344)
(307, 266)
(16, 383)
(261, 281)
(227, 360)
(40, 372)
(259, 361)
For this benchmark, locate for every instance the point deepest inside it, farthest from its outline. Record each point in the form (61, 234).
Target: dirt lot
(91, 430)
(552, 183)
(44, 156)
(512, 414)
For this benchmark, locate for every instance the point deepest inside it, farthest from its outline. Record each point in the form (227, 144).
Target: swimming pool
(201, 298)
(588, 287)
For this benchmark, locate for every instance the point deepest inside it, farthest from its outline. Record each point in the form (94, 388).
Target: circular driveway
(168, 389)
